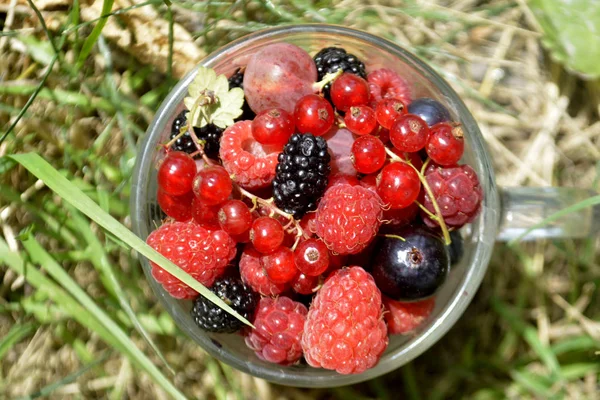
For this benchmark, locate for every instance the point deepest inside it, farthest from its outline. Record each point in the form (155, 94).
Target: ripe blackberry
(234, 293)
(302, 174)
(210, 133)
(237, 80)
(331, 59)
(184, 143)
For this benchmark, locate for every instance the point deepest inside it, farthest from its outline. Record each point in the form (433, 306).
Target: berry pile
(327, 213)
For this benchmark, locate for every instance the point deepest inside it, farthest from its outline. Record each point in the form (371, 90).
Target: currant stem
(330, 77)
(273, 208)
(436, 207)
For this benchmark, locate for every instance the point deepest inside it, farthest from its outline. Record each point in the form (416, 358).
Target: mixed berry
(318, 199)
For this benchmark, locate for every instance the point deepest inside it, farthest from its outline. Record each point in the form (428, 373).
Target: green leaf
(571, 32)
(223, 105)
(90, 41)
(230, 107)
(65, 189)
(105, 328)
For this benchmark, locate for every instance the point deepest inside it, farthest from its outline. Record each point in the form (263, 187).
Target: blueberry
(411, 268)
(432, 111)
(456, 248)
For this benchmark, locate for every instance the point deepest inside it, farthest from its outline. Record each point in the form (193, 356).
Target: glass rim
(466, 288)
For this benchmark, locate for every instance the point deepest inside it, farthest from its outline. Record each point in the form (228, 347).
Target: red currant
(409, 133)
(398, 185)
(383, 134)
(266, 234)
(272, 127)
(388, 110)
(177, 207)
(312, 257)
(235, 217)
(176, 173)
(213, 185)
(368, 154)
(348, 91)
(205, 215)
(360, 120)
(445, 144)
(305, 284)
(313, 114)
(280, 265)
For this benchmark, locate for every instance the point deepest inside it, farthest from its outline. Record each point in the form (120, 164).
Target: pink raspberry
(385, 83)
(403, 317)
(279, 326)
(251, 163)
(344, 329)
(201, 253)
(457, 192)
(253, 274)
(348, 218)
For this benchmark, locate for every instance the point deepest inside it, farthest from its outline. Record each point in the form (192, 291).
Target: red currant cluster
(359, 168)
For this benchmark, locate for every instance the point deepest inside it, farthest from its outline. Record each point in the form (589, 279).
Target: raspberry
(387, 84)
(252, 164)
(202, 254)
(345, 330)
(403, 317)
(253, 274)
(213, 318)
(348, 218)
(279, 326)
(457, 192)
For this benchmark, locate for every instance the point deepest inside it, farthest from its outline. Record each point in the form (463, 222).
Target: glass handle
(523, 207)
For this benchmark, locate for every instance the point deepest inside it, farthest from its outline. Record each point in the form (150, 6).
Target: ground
(532, 330)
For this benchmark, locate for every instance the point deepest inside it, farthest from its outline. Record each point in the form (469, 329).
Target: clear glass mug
(505, 214)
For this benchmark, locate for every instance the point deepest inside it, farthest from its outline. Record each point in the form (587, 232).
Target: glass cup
(505, 214)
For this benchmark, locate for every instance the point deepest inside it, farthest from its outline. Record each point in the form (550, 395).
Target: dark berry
(430, 110)
(233, 292)
(185, 142)
(210, 134)
(413, 267)
(332, 59)
(456, 248)
(237, 80)
(301, 175)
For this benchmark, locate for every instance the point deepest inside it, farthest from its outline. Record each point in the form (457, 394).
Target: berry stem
(269, 205)
(330, 77)
(436, 207)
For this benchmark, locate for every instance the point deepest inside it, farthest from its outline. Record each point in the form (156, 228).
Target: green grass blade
(576, 371)
(100, 261)
(47, 390)
(532, 383)
(17, 333)
(65, 189)
(592, 201)
(93, 37)
(92, 312)
(529, 334)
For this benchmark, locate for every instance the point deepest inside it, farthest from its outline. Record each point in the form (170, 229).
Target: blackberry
(210, 133)
(302, 174)
(331, 59)
(234, 293)
(237, 80)
(185, 142)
